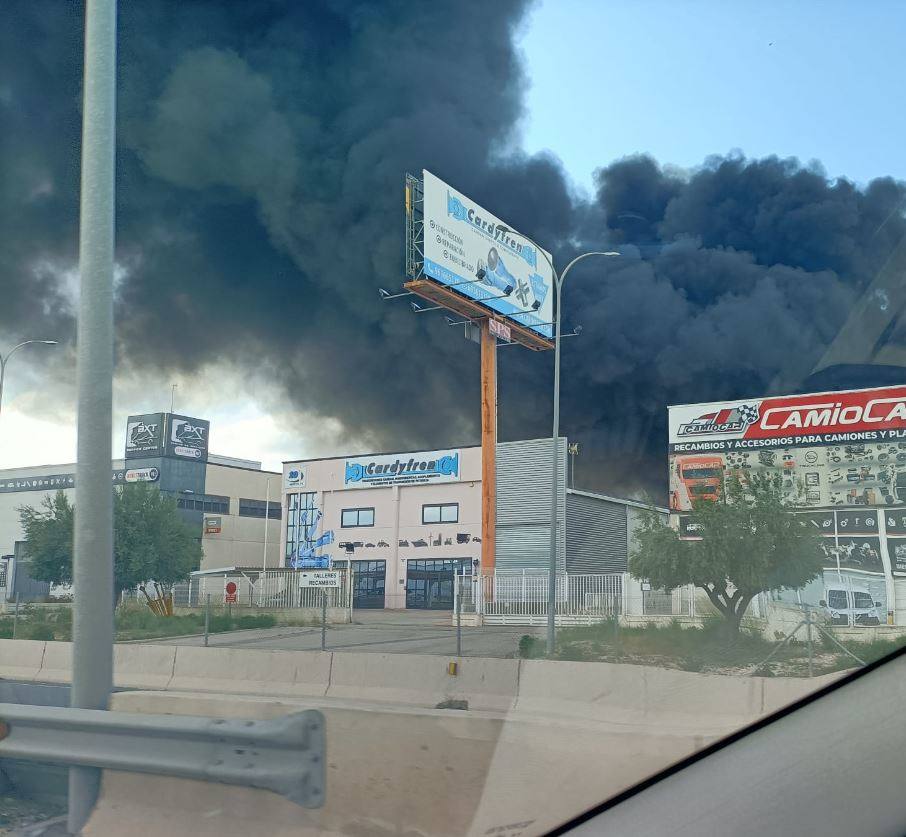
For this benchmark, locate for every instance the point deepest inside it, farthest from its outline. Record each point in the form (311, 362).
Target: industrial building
(409, 521)
(223, 498)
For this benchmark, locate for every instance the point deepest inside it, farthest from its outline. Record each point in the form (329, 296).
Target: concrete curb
(592, 691)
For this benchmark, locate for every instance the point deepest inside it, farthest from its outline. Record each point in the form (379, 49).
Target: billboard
(187, 438)
(145, 436)
(468, 248)
(831, 449)
(402, 469)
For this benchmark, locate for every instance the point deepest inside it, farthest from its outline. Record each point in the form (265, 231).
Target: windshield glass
(837, 599)
(862, 600)
(701, 473)
(517, 385)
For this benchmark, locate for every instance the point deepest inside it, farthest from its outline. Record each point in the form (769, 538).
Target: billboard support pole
(488, 447)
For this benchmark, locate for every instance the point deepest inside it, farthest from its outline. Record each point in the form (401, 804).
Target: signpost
(323, 579)
(320, 578)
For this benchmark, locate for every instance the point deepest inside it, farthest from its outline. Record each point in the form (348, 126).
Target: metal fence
(677, 602)
(275, 589)
(522, 598)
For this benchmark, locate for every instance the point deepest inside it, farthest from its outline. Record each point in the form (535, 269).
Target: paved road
(397, 632)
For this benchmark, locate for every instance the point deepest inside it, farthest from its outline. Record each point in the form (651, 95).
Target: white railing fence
(276, 589)
(521, 598)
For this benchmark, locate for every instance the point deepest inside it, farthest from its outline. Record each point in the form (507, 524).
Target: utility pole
(92, 651)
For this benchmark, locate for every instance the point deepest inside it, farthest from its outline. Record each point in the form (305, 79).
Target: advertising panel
(402, 469)
(831, 449)
(841, 453)
(145, 436)
(51, 482)
(142, 475)
(294, 477)
(187, 438)
(468, 248)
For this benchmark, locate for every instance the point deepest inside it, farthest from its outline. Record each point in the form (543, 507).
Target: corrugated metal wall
(596, 535)
(523, 504)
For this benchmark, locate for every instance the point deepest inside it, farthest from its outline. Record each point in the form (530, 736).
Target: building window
(255, 508)
(357, 517)
(441, 513)
(204, 503)
(300, 514)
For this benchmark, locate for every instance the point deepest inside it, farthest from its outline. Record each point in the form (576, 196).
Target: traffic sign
(320, 578)
(231, 595)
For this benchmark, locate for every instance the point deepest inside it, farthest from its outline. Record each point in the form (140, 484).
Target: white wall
(240, 542)
(10, 527)
(397, 517)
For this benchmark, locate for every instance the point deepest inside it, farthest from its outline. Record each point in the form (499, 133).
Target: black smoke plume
(262, 148)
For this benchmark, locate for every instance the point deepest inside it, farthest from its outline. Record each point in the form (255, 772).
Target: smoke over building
(262, 149)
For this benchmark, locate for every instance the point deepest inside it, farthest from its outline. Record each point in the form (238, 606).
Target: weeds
(705, 649)
(132, 622)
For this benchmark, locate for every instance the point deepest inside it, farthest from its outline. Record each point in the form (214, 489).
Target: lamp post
(559, 279)
(11, 352)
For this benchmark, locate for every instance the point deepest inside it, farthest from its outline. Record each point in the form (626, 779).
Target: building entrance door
(368, 580)
(429, 584)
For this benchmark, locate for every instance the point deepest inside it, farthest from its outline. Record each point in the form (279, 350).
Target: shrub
(39, 631)
(529, 647)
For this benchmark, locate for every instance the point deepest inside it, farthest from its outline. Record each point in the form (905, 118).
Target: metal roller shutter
(523, 504)
(596, 536)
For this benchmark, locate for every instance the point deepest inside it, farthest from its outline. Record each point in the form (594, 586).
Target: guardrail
(285, 755)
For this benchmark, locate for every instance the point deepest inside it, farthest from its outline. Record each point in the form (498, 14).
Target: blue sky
(682, 79)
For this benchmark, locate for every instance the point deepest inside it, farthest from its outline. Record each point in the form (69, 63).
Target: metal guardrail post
(284, 755)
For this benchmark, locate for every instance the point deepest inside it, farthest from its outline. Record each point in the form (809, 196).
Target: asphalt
(382, 631)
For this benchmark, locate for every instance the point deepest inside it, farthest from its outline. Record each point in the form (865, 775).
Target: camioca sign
(831, 448)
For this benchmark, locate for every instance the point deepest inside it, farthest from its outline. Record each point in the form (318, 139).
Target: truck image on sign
(695, 477)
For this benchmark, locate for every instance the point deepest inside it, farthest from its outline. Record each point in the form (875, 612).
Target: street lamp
(559, 279)
(11, 352)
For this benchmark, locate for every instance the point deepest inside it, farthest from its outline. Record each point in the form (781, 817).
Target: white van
(854, 606)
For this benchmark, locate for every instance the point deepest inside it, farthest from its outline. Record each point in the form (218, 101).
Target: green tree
(150, 539)
(751, 542)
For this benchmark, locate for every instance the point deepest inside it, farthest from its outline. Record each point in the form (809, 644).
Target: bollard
(207, 618)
